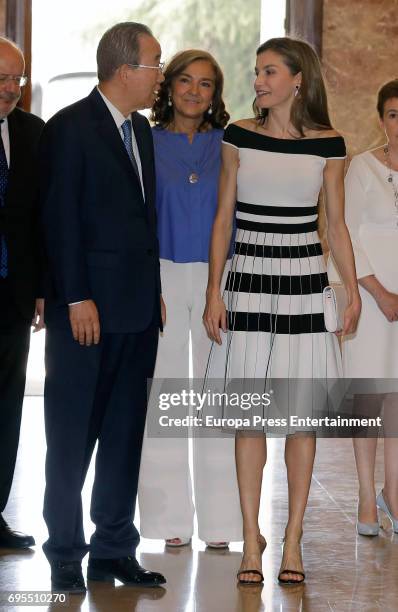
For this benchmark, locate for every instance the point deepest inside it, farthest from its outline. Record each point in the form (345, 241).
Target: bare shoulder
(247, 124)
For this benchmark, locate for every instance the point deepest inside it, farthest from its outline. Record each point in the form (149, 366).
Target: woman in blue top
(189, 117)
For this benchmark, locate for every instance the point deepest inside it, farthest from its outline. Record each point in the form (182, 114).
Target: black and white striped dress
(274, 288)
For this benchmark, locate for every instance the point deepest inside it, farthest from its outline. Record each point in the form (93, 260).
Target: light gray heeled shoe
(381, 503)
(367, 529)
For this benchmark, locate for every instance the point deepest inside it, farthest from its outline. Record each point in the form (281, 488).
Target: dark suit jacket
(100, 235)
(19, 218)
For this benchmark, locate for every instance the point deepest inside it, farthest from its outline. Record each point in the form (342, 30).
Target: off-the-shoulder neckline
(285, 139)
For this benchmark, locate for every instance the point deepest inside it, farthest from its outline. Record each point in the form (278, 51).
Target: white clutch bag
(334, 304)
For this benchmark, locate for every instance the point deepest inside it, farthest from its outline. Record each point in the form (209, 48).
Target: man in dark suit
(20, 300)
(103, 309)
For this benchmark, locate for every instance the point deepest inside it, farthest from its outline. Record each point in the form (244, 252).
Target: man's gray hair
(119, 45)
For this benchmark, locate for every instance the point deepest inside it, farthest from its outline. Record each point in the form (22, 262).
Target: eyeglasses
(20, 80)
(160, 66)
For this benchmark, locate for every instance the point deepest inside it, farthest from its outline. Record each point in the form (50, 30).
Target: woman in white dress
(273, 167)
(372, 219)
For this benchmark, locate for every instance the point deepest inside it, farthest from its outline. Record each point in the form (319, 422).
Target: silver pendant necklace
(193, 176)
(390, 179)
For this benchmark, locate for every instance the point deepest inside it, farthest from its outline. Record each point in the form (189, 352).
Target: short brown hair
(310, 107)
(387, 91)
(162, 113)
(119, 45)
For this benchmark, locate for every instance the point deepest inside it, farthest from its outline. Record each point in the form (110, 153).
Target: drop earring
(210, 109)
(169, 101)
(297, 90)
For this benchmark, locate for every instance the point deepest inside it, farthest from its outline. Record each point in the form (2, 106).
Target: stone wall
(3, 17)
(360, 53)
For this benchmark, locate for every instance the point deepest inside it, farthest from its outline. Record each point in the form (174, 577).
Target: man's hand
(163, 311)
(85, 323)
(38, 317)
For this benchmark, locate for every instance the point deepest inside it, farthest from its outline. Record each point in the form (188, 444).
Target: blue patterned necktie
(3, 188)
(128, 143)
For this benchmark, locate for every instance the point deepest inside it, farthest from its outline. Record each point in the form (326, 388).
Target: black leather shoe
(13, 539)
(66, 576)
(126, 569)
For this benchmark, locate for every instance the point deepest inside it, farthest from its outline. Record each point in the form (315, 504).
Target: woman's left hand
(351, 316)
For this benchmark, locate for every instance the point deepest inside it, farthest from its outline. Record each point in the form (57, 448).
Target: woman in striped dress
(273, 168)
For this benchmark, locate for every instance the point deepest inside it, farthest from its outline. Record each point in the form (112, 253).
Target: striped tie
(128, 143)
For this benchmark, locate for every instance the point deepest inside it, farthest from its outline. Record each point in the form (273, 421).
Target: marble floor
(345, 572)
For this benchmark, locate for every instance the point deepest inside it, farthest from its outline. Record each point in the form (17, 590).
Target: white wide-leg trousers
(167, 493)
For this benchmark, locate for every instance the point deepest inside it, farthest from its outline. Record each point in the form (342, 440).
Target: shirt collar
(118, 117)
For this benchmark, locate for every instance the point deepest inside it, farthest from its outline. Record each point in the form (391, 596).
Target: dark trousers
(14, 349)
(95, 393)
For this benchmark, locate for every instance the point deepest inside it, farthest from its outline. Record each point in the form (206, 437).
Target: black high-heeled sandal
(289, 580)
(262, 546)
(250, 571)
(290, 571)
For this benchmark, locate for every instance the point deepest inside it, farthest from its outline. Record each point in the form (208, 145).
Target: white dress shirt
(6, 139)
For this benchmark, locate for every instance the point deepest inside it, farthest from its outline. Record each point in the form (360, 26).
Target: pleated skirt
(273, 296)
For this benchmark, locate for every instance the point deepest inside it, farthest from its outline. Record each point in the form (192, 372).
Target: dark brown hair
(310, 108)
(388, 91)
(162, 113)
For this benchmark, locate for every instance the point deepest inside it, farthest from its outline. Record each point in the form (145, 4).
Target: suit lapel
(17, 149)
(142, 147)
(145, 149)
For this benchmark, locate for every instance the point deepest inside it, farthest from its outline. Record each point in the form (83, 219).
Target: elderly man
(103, 309)
(19, 265)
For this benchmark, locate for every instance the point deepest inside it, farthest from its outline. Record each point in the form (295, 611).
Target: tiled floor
(345, 572)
